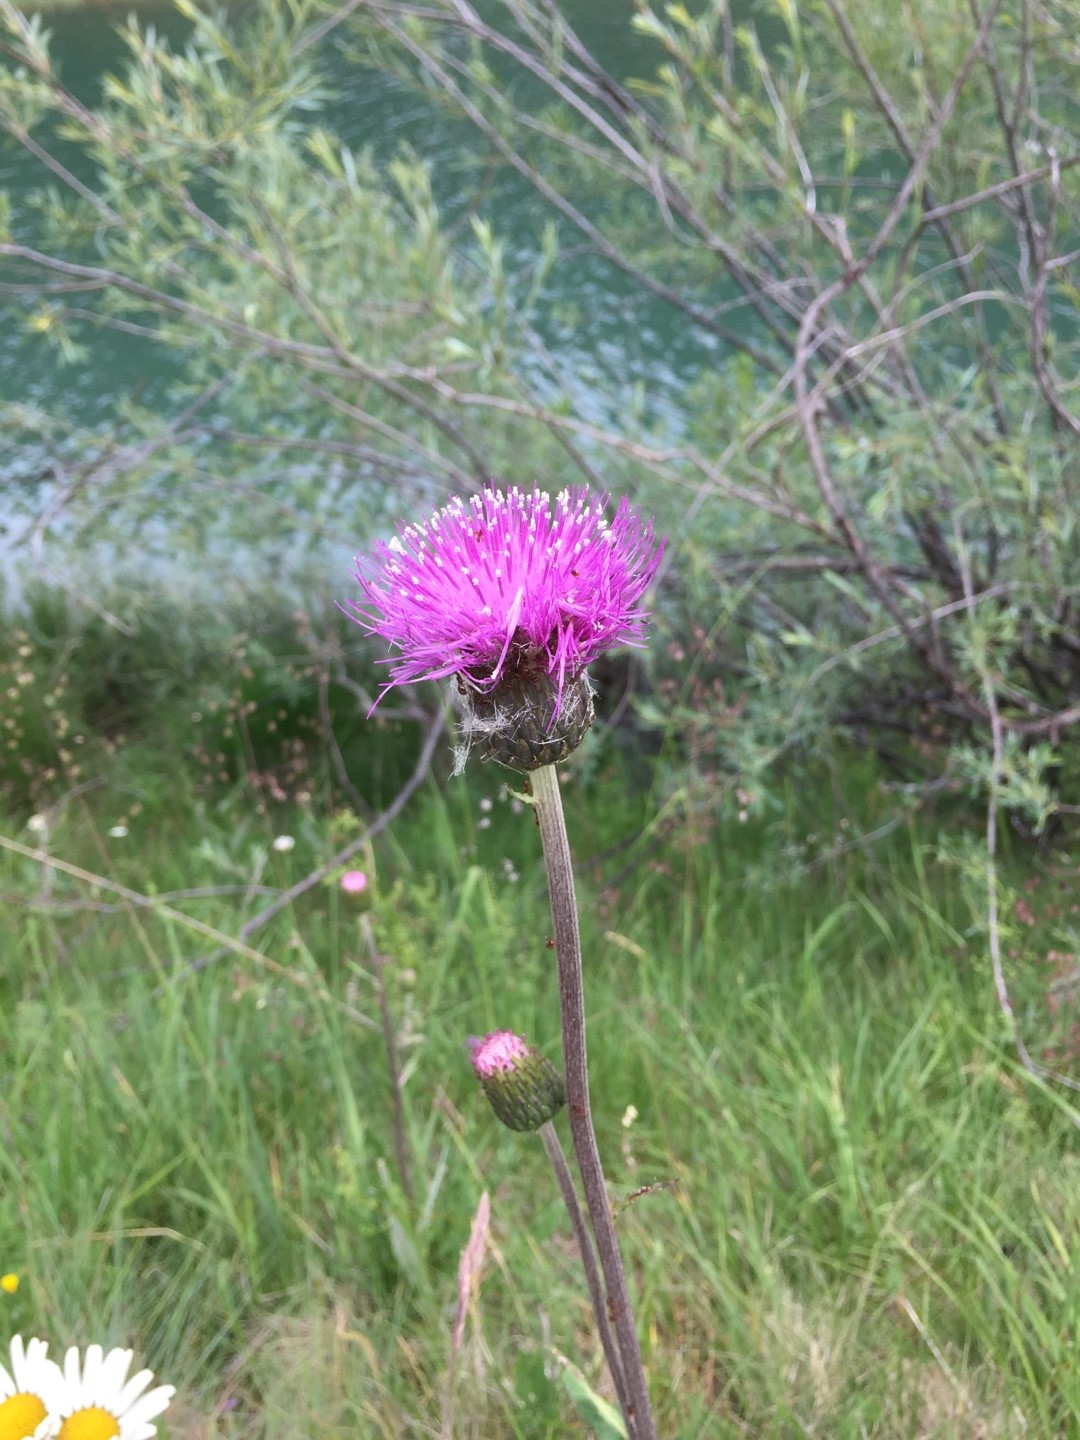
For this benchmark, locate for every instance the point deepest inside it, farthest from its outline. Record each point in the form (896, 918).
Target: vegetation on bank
(857, 228)
(849, 1208)
(107, 7)
(859, 1210)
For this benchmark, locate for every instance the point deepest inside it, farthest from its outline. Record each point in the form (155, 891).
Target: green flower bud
(523, 1086)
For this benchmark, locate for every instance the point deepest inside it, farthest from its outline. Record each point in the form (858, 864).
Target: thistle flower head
(515, 594)
(523, 1086)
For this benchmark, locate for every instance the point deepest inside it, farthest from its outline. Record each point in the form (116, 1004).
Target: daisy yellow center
(93, 1423)
(20, 1415)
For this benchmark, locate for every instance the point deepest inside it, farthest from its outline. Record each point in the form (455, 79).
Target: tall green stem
(560, 873)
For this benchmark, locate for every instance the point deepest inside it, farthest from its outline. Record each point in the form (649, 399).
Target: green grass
(868, 1220)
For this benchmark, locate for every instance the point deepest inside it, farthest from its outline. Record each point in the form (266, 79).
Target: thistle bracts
(521, 722)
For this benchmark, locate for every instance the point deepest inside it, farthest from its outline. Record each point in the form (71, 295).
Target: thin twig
(229, 945)
(330, 740)
(997, 734)
(316, 877)
(99, 907)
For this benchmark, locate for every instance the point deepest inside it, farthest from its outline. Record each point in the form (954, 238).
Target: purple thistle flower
(511, 591)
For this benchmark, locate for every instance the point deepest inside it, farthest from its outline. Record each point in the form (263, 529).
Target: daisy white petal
(151, 1405)
(114, 1371)
(72, 1384)
(92, 1364)
(133, 1389)
(31, 1393)
(103, 1404)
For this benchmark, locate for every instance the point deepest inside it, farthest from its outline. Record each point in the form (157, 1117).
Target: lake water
(605, 335)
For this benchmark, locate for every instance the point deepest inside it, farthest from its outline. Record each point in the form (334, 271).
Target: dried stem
(355, 845)
(229, 944)
(560, 873)
(997, 734)
(553, 1146)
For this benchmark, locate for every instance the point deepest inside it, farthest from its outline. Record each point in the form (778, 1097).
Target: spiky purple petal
(509, 582)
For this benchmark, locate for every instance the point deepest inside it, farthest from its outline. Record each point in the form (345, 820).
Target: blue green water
(605, 337)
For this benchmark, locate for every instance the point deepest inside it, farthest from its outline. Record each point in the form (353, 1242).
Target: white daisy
(31, 1394)
(103, 1404)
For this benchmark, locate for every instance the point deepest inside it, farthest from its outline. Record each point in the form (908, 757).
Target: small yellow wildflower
(9, 1283)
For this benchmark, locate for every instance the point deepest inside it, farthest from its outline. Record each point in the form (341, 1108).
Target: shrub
(864, 218)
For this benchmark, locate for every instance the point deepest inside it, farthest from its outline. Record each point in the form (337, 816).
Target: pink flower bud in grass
(515, 595)
(354, 886)
(523, 1086)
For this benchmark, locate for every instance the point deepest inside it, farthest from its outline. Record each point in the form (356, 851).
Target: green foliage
(812, 196)
(858, 1210)
(300, 292)
(231, 693)
(602, 1418)
(847, 1209)
(795, 1050)
(886, 552)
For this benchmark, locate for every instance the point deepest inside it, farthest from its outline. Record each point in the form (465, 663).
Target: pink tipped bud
(523, 1086)
(354, 888)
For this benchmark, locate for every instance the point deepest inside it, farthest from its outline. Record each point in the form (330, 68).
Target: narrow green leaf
(604, 1420)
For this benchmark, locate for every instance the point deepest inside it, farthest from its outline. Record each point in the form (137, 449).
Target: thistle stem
(553, 1146)
(560, 873)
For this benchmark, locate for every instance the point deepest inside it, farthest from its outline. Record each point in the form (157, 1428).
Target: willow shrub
(864, 217)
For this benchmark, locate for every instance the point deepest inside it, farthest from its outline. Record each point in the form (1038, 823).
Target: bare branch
(346, 853)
